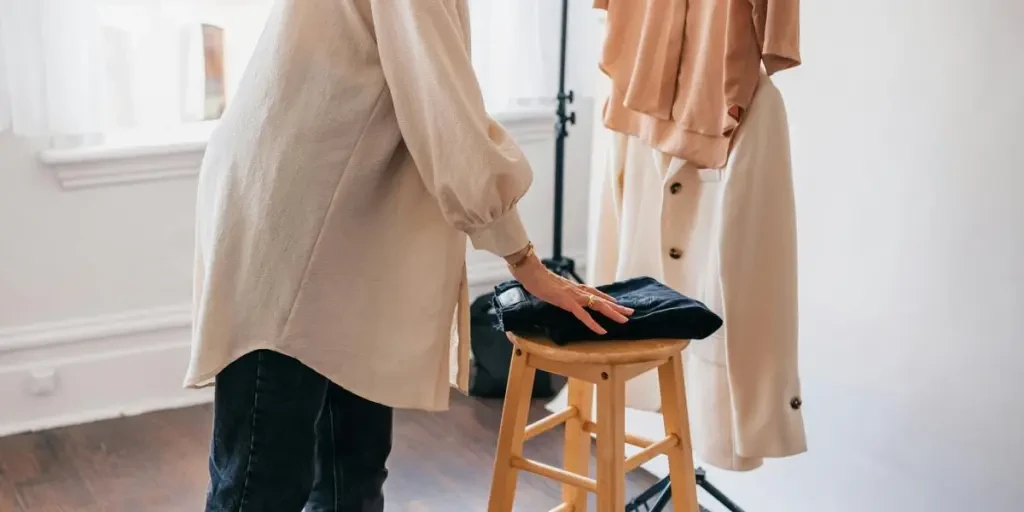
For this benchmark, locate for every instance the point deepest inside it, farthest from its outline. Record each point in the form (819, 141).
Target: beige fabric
(685, 71)
(336, 195)
(736, 228)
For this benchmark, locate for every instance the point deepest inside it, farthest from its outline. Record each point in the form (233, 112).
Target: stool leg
(677, 421)
(577, 442)
(514, 413)
(611, 442)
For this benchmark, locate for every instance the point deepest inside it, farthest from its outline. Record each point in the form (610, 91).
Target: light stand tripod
(558, 263)
(566, 267)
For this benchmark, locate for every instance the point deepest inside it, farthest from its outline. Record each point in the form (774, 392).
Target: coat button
(675, 253)
(796, 403)
(675, 188)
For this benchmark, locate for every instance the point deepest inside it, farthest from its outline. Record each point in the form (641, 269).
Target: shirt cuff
(780, 58)
(504, 236)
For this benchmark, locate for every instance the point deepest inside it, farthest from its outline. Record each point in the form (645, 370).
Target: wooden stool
(608, 365)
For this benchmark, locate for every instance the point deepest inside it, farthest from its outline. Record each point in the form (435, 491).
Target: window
(102, 71)
(172, 67)
(191, 53)
(136, 72)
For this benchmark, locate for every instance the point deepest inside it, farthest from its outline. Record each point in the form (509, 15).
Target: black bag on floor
(492, 355)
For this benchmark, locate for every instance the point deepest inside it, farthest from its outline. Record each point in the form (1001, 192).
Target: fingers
(608, 309)
(612, 303)
(576, 299)
(585, 317)
(619, 308)
(622, 310)
(594, 291)
(613, 311)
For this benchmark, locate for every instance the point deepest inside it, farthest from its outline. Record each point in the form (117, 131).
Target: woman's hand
(568, 295)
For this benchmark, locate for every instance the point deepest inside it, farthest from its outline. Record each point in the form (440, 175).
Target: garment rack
(660, 492)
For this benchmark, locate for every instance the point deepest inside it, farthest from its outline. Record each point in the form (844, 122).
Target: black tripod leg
(659, 506)
(648, 495)
(574, 275)
(663, 500)
(664, 487)
(719, 496)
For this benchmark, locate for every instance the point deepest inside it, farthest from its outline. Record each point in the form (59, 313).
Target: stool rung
(652, 451)
(640, 442)
(549, 422)
(564, 507)
(557, 474)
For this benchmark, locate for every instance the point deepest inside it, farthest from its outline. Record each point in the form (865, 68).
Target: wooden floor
(157, 462)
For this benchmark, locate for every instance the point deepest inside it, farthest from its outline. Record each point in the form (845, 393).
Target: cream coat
(336, 195)
(727, 237)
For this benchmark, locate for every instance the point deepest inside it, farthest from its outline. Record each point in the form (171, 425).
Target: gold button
(675, 253)
(675, 188)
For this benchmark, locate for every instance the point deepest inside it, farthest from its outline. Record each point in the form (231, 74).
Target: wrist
(528, 270)
(521, 258)
(526, 262)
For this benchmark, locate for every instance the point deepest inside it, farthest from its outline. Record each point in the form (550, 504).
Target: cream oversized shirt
(336, 196)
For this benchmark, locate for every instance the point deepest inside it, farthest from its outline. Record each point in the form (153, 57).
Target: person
(334, 205)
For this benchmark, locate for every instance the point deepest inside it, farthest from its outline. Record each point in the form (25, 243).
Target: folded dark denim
(660, 312)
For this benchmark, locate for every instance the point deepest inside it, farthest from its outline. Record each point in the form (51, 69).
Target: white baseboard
(98, 414)
(115, 365)
(130, 375)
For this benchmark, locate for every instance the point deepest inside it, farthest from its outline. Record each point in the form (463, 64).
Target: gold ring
(590, 301)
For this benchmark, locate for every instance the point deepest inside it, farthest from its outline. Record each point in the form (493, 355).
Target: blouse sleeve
(779, 28)
(467, 160)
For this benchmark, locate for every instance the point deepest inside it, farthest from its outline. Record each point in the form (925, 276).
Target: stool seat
(604, 367)
(601, 352)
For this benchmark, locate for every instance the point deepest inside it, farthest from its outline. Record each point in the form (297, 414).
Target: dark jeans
(659, 312)
(285, 437)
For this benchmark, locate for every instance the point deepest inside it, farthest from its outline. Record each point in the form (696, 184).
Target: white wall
(907, 136)
(906, 123)
(95, 283)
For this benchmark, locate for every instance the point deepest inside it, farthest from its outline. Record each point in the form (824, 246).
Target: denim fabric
(285, 438)
(660, 312)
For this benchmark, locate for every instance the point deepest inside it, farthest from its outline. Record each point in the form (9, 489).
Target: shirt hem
(204, 379)
(670, 138)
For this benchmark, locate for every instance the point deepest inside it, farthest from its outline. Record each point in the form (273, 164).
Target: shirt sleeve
(779, 24)
(467, 160)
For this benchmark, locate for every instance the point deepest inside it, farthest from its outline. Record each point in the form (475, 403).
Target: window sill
(180, 156)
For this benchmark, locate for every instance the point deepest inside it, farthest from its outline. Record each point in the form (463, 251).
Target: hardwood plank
(157, 463)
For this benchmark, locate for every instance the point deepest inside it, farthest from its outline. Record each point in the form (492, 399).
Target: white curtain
(47, 80)
(85, 67)
(516, 51)
(74, 67)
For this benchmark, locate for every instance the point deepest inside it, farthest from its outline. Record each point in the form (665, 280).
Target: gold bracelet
(526, 257)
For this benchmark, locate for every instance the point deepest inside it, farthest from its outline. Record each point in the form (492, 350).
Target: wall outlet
(42, 381)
